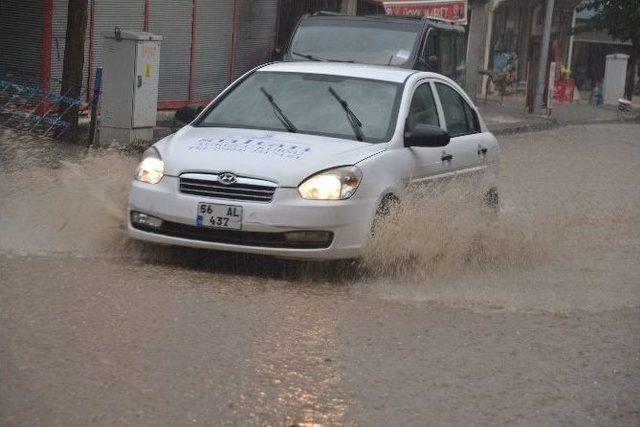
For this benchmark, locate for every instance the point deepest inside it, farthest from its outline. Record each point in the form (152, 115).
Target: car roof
(320, 16)
(391, 19)
(364, 71)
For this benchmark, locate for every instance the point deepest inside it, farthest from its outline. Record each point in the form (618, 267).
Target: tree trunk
(71, 86)
(631, 70)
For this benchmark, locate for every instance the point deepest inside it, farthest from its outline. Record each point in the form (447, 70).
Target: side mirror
(188, 113)
(426, 136)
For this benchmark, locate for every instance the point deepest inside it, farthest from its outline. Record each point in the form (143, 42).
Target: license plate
(219, 216)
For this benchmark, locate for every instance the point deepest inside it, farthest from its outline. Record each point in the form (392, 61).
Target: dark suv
(408, 42)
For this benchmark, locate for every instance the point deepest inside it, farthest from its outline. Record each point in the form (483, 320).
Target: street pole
(349, 7)
(544, 56)
(95, 102)
(571, 38)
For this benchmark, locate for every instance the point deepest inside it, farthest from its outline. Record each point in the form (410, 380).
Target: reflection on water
(301, 385)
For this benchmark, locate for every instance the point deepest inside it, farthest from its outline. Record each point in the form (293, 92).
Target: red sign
(444, 10)
(563, 91)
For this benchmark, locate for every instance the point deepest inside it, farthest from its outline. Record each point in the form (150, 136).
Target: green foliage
(620, 18)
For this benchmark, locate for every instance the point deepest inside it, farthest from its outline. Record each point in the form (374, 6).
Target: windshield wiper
(318, 58)
(278, 112)
(308, 56)
(353, 119)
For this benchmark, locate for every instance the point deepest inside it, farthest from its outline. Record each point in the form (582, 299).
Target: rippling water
(567, 235)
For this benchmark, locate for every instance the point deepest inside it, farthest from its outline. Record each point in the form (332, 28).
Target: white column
(349, 7)
(570, 53)
(487, 48)
(544, 55)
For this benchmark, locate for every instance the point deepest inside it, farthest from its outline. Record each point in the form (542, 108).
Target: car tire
(387, 206)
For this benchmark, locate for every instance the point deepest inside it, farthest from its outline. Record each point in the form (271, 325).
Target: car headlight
(333, 184)
(151, 168)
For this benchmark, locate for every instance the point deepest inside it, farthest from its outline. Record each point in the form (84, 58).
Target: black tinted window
(423, 108)
(445, 54)
(472, 119)
(458, 114)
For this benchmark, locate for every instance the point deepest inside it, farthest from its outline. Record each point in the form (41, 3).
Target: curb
(526, 127)
(553, 123)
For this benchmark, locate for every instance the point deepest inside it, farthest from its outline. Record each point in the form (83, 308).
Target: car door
(428, 162)
(467, 145)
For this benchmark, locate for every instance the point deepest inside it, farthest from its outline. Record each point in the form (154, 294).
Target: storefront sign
(444, 10)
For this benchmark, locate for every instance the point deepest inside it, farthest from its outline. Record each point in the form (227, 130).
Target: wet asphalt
(98, 330)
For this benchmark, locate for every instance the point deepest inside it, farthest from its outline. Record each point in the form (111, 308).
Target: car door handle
(482, 151)
(446, 157)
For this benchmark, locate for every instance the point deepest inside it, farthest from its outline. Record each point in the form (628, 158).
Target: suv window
(444, 54)
(423, 108)
(460, 117)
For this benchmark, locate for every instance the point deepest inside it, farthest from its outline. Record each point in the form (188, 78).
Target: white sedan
(296, 159)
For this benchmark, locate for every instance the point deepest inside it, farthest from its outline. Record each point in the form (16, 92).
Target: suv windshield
(317, 104)
(365, 42)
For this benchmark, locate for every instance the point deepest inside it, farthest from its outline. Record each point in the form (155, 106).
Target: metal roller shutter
(126, 14)
(21, 28)
(172, 20)
(58, 36)
(256, 33)
(214, 23)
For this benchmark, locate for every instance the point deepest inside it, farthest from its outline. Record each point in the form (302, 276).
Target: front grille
(247, 189)
(233, 237)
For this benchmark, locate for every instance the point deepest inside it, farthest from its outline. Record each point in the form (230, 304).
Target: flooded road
(452, 317)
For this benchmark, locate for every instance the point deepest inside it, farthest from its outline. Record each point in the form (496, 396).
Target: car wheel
(386, 207)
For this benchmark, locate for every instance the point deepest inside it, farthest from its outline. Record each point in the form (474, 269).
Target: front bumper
(349, 221)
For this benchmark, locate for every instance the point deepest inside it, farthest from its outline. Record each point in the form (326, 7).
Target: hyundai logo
(227, 178)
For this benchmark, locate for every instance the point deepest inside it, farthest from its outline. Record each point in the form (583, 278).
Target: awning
(443, 10)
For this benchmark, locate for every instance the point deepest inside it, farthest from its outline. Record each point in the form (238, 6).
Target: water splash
(74, 206)
(443, 230)
(567, 236)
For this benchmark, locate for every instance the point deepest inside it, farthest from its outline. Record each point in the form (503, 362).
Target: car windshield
(317, 104)
(376, 43)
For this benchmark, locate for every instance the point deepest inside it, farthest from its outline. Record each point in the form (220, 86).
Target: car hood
(284, 158)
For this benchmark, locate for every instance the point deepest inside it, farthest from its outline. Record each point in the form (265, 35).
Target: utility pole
(71, 86)
(544, 56)
(480, 10)
(349, 7)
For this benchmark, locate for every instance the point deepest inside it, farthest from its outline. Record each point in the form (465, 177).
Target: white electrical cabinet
(131, 62)
(615, 78)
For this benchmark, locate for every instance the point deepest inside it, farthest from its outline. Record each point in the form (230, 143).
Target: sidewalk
(511, 116)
